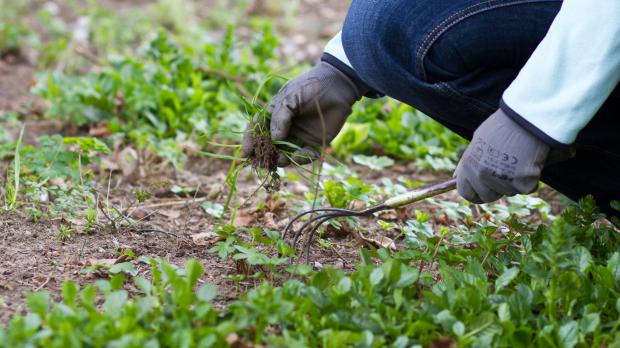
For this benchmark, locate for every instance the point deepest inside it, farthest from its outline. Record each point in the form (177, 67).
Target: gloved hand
(296, 111)
(503, 159)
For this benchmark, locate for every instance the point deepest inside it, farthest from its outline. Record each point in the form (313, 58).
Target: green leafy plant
(545, 285)
(14, 32)
(166, 96)
(55, 175)
(256, 256)
(387, 127)
(373, 162)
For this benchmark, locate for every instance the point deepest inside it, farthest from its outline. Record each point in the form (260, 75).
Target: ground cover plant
(130, 218)
(548, 285)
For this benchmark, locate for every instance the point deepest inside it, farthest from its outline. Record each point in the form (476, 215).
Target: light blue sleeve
(335, 48)
(334, 54)
(571, 73)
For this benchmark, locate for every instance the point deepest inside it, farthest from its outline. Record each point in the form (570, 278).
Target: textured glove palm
(310, 109)
(503, 159)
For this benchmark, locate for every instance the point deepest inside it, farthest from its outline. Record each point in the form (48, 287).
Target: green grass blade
(16, 171)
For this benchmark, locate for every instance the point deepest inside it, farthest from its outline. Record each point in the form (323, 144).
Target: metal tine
(323, 217)
(313, 211)
(332, 213)
(320, 220)
(313, 233)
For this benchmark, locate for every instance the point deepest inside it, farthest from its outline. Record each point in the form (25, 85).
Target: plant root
(265, 157)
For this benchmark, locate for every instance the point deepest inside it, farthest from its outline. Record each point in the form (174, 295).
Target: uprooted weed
(265, 157)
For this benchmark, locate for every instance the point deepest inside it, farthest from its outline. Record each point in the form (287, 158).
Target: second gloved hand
(296, 111)
(503, 159)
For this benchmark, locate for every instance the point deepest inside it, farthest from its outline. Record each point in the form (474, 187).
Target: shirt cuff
(335, 48)
(334, 54)
(521, 121)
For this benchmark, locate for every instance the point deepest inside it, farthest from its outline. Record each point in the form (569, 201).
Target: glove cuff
(363, 88)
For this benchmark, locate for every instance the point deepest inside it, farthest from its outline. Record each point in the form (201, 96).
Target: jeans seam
(454, 19)
(478, 104)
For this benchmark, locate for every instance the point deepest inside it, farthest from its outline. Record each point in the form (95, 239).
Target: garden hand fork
(403, 199)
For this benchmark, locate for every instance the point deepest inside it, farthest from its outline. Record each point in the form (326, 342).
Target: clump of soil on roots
(265, 157)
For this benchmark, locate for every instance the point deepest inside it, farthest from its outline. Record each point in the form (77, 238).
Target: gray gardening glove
(296, 111)
(503, 159)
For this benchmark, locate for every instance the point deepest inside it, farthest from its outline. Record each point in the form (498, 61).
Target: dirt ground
(33, 257)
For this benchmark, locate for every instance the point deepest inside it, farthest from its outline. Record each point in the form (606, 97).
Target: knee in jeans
(382, 34)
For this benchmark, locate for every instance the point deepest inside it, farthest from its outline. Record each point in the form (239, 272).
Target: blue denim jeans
(453, 59)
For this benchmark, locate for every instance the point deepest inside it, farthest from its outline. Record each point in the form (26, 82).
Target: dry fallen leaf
(170, 213)
(206, 238)
(100, 130)
(91, 262)
(243, 219)
(270, 221)
(377, 242)
(389, 215)
(107, 162)
(382, 242)
(108, 262)
(127, 161)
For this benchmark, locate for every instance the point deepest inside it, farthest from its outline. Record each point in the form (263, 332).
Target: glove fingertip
(466, 190)
(526, 186)
(247, 144)
(490, 196)
(280, 124)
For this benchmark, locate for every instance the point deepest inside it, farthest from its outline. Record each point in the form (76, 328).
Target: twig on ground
(154, 230)
(175, 203)
(170, 234)
(108, 217)
(147, 216)
(333, 248)
(123, 216)
(43, 284)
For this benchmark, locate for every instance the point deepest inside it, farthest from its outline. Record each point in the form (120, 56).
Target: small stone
(139, 214)
(317, 266)
(299, 188)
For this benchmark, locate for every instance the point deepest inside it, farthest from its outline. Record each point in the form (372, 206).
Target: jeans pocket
(468, 9)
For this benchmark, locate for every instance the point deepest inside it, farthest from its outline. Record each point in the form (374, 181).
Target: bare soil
(33, 257)
(173, 227)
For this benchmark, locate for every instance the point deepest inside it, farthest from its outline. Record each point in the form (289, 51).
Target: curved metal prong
(313, 233)
(331, 213)
(319, 220)
(313, 211)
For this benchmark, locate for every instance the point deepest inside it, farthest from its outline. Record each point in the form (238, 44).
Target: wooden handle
(421, 193)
